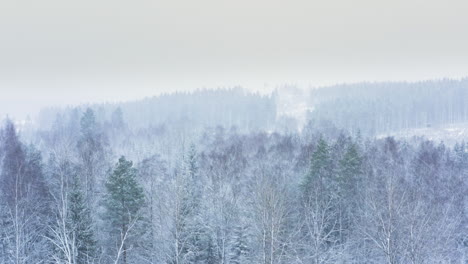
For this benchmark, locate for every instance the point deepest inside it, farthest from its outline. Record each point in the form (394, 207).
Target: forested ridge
(376, 108)
(94, 185)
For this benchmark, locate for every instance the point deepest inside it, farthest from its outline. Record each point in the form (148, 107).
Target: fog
(240, 132)
(57, 53)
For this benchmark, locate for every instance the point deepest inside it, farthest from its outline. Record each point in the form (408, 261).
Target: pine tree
(80, 224)
(13, 164)
(319, 205)
(123, 202)
(23, 200)
(88, 123)
(193, 181)
(197, 235)
(90, 150)
(194, 238)
(320, 169)
(350, 169)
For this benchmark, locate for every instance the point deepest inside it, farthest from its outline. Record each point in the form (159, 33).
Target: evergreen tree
(23, 200)
(320, 169)
(196, 234)
(193, 180)
(319, 206)
(89, 149)
(348, 176)
(349, 170)
(80, 224)
(13, 164)
(88, 124)
(123, 202)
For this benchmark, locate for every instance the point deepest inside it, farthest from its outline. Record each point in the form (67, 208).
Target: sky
(56, 52)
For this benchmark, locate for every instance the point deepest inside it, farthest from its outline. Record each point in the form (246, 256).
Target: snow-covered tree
(123, 201)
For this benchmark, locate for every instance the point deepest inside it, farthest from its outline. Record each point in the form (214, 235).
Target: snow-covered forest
(233, 177)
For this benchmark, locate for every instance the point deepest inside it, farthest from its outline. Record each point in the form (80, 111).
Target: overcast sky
(56, 52)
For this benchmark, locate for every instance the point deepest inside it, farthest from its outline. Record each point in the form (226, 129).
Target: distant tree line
(379, 108)
(183, 111)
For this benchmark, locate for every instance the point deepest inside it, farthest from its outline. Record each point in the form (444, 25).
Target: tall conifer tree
(123, 202)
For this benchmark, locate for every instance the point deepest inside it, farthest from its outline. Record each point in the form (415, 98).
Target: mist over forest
(371, 172)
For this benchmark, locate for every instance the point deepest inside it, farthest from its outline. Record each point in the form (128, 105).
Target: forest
(208, 177)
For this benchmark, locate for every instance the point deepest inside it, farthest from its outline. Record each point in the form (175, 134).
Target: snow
(449, 134)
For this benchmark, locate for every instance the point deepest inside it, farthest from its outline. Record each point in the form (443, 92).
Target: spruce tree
(88, 124)
(193, 180)
(348, 176)
(320, 169)
(123, 202)
(197, 235)
(350, 169)
(24, 200)
(80, 224)
(90, 151)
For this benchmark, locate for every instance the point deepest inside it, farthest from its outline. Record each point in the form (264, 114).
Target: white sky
(58, 52)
